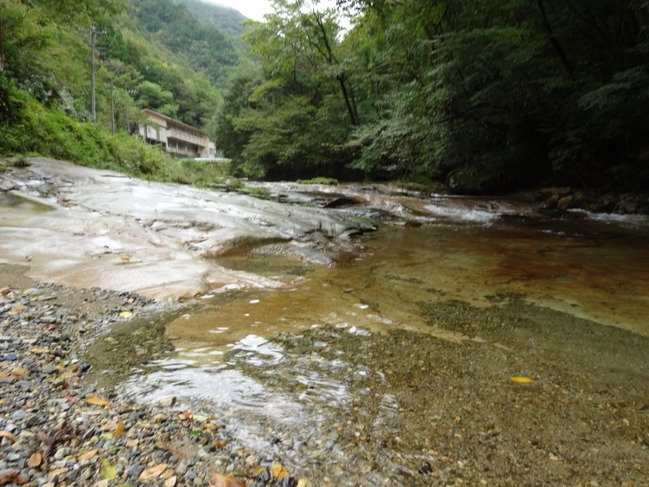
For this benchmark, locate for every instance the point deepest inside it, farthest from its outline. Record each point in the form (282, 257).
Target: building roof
(176, 122)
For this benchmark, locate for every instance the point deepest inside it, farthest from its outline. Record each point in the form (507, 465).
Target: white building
(176, 138)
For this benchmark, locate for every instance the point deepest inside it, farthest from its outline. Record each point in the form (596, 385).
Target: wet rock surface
(514, 404)
(59, 429)
(161, 240)
(388, 375)
(562, 199)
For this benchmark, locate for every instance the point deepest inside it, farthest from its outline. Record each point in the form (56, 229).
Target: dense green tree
(296, 119)
(484, 96)
(493, 95)
(86, 12)
(153, 96)
(203, 47)
(236, 99)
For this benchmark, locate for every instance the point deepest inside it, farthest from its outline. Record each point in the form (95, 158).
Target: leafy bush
(51, 133)
(197, 173)
(319, 180)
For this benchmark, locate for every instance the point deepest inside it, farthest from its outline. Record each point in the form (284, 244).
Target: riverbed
(418, 340)
(398, 364)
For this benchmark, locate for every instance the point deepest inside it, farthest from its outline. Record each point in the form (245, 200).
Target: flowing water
(393, 366)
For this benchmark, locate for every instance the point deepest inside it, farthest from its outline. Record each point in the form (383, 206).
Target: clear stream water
(353, 358)
(298, 373)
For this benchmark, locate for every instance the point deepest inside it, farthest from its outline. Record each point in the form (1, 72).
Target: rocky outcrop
(566, 198)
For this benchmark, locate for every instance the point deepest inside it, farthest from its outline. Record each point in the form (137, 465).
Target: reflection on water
(235, 349)
(16, 202)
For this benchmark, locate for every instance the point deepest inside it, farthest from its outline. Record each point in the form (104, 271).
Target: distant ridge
(193, 37)
(226, 19)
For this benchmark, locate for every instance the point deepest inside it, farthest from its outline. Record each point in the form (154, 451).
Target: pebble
(167, 402)
(49, 369)
(32, 421)
(19, 415)
(45, 401)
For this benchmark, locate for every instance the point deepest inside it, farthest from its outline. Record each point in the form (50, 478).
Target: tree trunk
(342, 79)
(553, 38)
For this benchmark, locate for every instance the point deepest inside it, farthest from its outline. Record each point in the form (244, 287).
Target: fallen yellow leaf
(278, 471)
(39, 350)
(12, 477)
(17, 309)
(185, 416)
(167, 474)
(58, 471)
(119, 430)
(35, 459)
(153, 472)
(19, 372)
(88, 455)
(97, 401)
(218, 480)
(126, 314)
(522, 380)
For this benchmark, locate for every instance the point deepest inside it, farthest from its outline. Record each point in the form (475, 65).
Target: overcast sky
(253, 9)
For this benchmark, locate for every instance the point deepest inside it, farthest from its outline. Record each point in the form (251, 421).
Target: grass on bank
(31, 129)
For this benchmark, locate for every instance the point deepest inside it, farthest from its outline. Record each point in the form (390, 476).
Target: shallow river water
(394, 366)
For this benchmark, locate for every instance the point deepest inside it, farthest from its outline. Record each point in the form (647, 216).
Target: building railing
(173, 133)
(181, 152)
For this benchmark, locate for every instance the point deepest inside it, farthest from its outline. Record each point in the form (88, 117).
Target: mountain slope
(169, 62)
(225, 19)
(205, 47)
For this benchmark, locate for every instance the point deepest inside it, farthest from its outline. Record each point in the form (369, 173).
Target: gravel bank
(56, 429)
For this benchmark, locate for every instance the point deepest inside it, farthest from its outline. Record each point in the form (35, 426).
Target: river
(349, 372)
(365, 335)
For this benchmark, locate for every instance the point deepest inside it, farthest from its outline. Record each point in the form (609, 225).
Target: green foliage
(225, 19)
(204, 47)
(319, 180)
(504, 94)
(50, 132)
(19, 161)
(151, 95)
(291, 117)
(45, 85)
(86, 12)
(480, 96)
(196, 173)
(26, 38)
(236, 99)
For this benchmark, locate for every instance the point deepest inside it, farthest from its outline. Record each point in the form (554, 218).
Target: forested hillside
(149, 54)
(225, 19)
(192, 38)
(477, 96)
(482, 96)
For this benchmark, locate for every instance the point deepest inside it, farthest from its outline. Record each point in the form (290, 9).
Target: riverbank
(528, 395)
(561, 199)
(56, 429)
(467, 341)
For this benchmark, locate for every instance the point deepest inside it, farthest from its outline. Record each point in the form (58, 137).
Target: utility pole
(112, 107)
(2, 49)
(93, 41)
